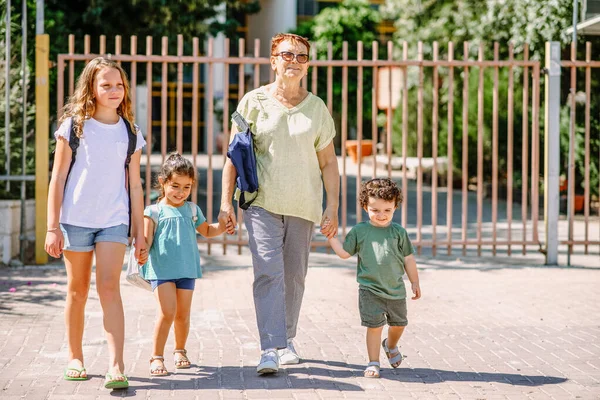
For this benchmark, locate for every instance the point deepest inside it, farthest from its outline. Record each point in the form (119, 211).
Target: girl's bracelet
(52, 229)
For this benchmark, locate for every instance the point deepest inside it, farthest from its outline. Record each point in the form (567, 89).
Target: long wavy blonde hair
(82, 104)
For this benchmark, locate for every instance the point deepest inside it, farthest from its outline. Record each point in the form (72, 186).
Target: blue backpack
(241, 154)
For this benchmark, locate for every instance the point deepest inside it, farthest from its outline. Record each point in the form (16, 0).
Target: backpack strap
(73, 144)
(194, 211)
(154, 212)
(240, 121)
(131, 145)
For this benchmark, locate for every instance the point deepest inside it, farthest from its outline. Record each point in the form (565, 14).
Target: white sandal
(181, 359)
(372, 370)
(154, 371)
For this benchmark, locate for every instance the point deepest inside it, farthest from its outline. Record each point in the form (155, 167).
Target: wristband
(52, 229)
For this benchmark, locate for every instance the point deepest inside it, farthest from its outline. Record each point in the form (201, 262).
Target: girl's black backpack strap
(132, 142)
(73, 144)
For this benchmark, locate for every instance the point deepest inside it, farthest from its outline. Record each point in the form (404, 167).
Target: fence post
(42, 113)
(552, 150)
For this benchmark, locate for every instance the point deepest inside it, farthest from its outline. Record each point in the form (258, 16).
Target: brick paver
(481, 331)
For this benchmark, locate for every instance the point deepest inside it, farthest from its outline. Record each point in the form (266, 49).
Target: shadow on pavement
(30, 286)
(242, 378)
(430, 375)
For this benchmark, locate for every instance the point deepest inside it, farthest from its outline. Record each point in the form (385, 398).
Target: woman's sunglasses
(289, 57)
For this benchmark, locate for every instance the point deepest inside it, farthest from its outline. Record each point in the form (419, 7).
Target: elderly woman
(293, 133)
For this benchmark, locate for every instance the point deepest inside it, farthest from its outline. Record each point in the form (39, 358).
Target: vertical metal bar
(256, 66)
(330, 80)
(195, 72)
(495, 152)
(450, 149)
(24, 82)
(552, 150)
(60, 87)
(571, 166)
(71, 65)
(86, 45)
(314, 76)
(586, 179)
(420, 149)
(525, 147)
(480, 138)
(405, 134)
(241, 90)
(179, 137)
(163, 100)
(535, 151)
(42, 116)
(210, 134)
(344, 136)
(133, 80)
(509, 146)
(434, 150)
(225, 122)
(148, 120)
(118, 47)
(359, 124)
(389, 114)
(465, 149)
(8, 23)
(374, 131)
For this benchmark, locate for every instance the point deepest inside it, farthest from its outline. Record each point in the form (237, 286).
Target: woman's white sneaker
(269, 362)
(288, 355)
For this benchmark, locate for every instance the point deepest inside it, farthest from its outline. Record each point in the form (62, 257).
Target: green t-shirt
(174, 252)
(286, 142)
(381, 253)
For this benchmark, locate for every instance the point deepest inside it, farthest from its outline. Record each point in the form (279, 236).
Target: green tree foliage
(518, 22)
(16, 111)
(351, 21)
(156, 18)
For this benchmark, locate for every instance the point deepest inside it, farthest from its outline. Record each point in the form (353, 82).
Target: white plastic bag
(133, 272)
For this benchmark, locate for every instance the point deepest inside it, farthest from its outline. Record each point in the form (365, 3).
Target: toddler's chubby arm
(215, 229)
(336, 245)
(410, 266)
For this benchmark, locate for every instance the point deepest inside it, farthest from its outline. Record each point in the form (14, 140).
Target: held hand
(141, 253)
(416, 289)
(230, 227)
(329, 222)
(227, 216)
(54, 243)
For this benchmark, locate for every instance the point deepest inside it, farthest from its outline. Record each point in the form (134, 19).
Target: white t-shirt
(95, 194)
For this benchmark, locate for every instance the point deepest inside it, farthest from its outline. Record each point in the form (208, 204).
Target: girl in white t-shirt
(90, 209)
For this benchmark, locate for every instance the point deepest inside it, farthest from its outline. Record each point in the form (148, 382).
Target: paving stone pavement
(481, 331)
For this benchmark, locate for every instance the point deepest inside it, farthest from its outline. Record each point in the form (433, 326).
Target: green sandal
(76, 369)
(111, 382)
(75, 378)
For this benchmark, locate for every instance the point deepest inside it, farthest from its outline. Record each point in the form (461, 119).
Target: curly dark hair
(380, 188)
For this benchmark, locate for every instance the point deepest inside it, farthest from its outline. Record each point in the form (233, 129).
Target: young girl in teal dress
(173, 265)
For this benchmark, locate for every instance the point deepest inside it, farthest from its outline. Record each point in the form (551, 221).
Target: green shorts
(376, 311)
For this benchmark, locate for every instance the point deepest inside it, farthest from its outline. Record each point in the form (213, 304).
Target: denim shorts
(376, 311)
(181, 283)
(82, 239)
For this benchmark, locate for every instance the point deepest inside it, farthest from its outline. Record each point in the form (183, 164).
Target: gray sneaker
(269, 362)
(289, 355)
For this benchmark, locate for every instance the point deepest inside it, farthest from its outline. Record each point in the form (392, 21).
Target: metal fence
(446, 206)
